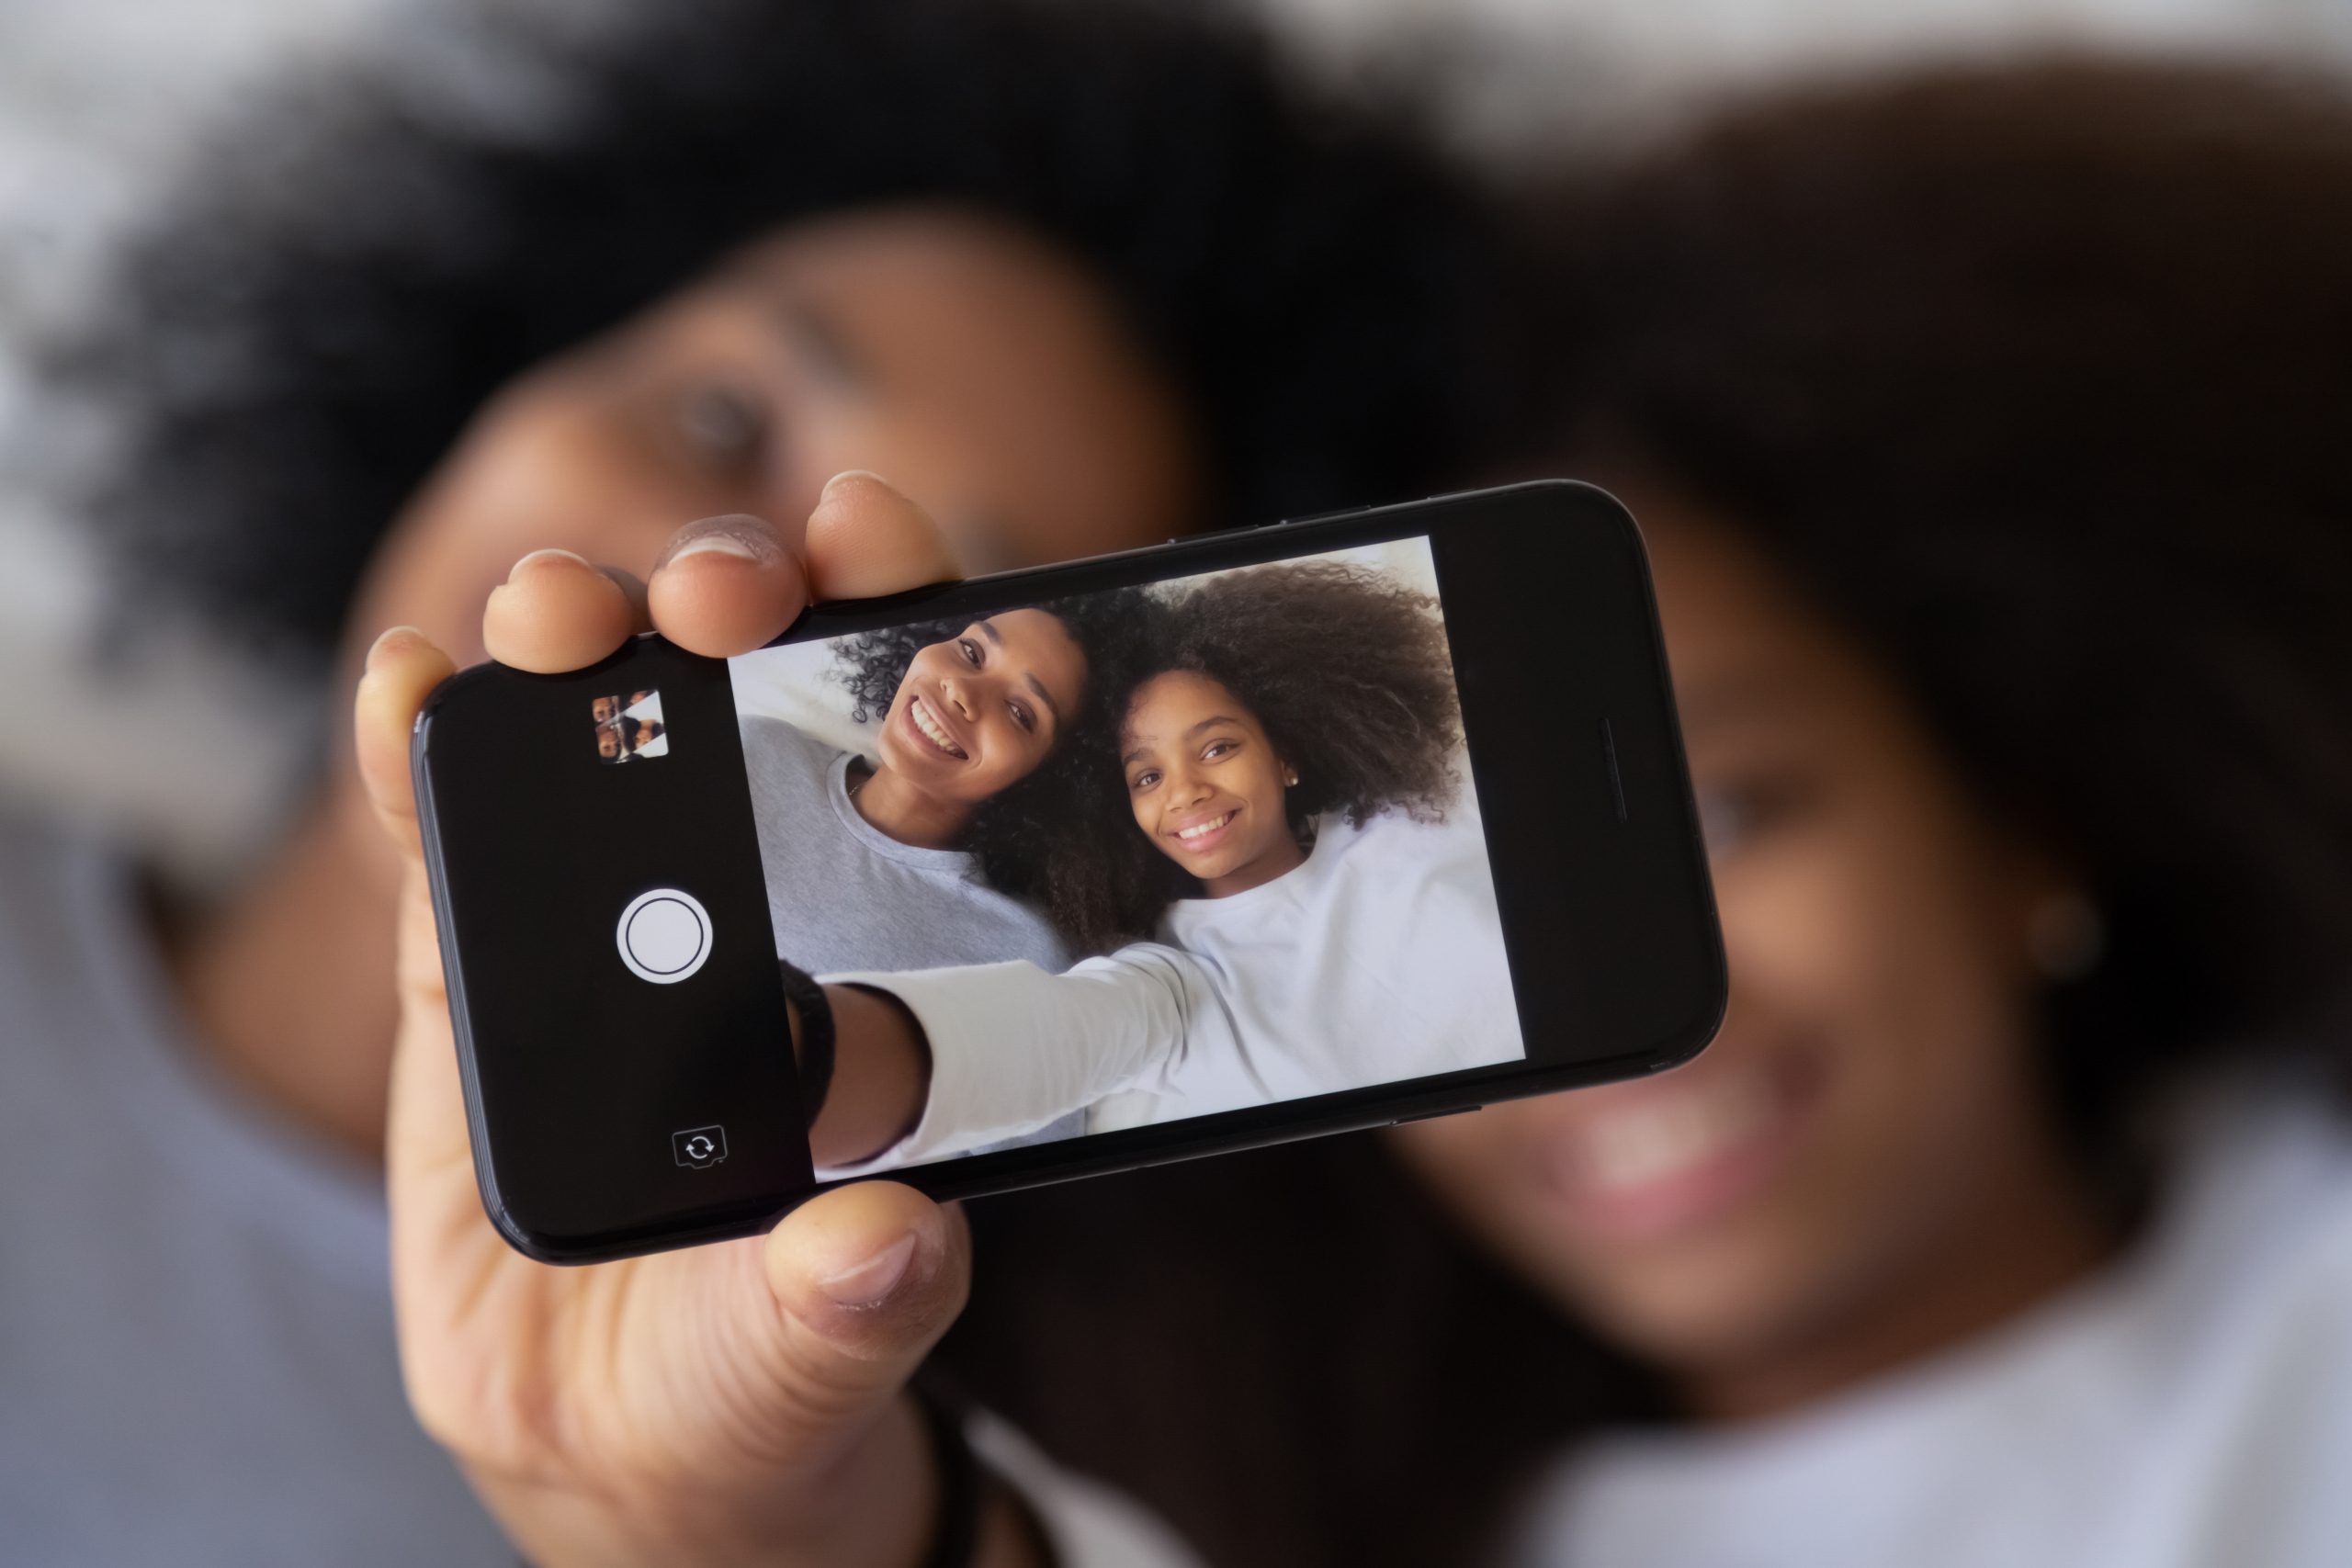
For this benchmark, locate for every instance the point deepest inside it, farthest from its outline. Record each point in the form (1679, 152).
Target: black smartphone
(1334, 823)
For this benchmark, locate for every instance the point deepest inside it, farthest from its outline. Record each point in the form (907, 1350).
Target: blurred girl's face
(976, 367)
(976, 714)
(1859, 1168)
(1205, 784)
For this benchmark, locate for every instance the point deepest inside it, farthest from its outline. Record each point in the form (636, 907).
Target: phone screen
(1128, 857)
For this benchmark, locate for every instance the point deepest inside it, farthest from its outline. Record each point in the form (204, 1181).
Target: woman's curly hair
(1347, 669)
(1021, 837)
(355, 264)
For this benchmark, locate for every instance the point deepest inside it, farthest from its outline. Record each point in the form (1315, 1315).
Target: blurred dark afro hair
(348, 275)
(2038, 380)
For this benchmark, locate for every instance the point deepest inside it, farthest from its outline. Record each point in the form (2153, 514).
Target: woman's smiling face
(1204, 783)
(977, 714)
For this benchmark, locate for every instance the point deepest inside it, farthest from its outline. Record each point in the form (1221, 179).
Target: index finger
(867, 539)
(727, 585)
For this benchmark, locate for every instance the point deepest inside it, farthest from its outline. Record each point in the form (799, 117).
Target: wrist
(874, 1507)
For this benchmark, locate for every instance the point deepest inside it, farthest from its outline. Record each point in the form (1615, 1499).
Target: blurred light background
(101, 101)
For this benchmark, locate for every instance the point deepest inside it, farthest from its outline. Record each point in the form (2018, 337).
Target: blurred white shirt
(1378, 961)
(2191, 1405)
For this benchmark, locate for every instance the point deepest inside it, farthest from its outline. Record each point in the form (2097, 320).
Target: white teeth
(931, 729)
(1664, 1137)
(1199, 829)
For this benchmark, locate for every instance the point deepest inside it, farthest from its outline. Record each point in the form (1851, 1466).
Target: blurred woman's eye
(1142, 781)
(725, 424)
(1734, 816)
(971, 651)
(1217, 749)
(1022, 717)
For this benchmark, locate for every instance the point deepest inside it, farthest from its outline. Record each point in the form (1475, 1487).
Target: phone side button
(1433, 1115)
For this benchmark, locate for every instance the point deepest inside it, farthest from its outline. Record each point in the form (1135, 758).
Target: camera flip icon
(699, 1148)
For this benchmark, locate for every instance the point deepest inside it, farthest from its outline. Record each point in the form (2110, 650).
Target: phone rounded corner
(1689, 1043)
(448, 686)
(540, 1246)
(1560, 484)
(1589, 501)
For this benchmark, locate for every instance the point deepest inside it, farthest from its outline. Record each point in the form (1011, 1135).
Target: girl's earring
(1290, 778)
(2066, 937)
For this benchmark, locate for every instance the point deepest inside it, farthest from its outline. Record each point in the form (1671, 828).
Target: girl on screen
(1282, 694)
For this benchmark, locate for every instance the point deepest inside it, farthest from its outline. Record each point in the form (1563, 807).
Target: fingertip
(557, 612)
(393, 644)
(402, 669)
(867, 538)
(853, 479)
(863, 1246)
(403, 666)
(548, 559)
(724, 586)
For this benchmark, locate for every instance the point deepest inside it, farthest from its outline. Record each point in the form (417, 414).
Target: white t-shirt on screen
(1378, 960)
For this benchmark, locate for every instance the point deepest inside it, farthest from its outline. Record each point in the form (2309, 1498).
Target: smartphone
(1323, 825)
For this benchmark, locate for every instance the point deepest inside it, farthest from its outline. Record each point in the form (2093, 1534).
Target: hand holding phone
(742, 1402)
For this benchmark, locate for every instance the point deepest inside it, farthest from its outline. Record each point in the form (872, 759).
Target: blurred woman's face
(978, 368)
(976, 714)
(1862, 1154)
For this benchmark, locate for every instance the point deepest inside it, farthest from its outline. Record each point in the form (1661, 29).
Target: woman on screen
(942, 847)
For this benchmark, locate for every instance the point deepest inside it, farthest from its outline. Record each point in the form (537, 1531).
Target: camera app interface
(1130, 857)
(628, 726)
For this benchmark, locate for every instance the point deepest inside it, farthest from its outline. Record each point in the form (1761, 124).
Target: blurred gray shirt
(197, 1363)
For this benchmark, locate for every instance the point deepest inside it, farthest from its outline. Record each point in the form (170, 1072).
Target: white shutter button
(664, 935)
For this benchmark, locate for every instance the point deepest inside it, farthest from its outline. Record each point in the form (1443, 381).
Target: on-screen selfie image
(1119, 828)
(629, 727)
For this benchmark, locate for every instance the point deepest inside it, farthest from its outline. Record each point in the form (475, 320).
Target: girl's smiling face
(1864, 1165)
(1205, 784)
(977, 714)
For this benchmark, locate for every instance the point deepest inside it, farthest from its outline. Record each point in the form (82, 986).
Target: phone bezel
(1605, 534)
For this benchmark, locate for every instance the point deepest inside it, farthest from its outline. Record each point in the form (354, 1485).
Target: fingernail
(537, 556)
(390, 633)
(712, 544)
(869, 1283)
(734, 533)
(850, 474)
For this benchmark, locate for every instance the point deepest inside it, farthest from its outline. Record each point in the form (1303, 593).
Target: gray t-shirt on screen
(196, 1364)
(844, 894)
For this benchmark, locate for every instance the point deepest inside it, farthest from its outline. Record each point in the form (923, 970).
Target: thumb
(865, 1280)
